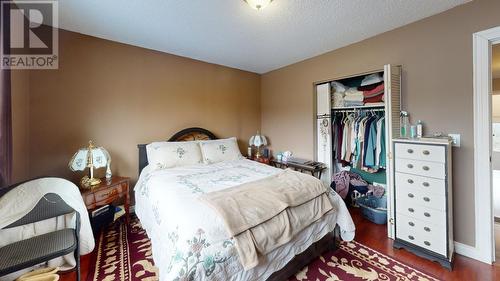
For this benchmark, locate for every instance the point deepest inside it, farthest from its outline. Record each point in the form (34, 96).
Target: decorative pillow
(220, 150)
(163, 155)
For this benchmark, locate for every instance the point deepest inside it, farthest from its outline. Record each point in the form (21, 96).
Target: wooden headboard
(189, 134)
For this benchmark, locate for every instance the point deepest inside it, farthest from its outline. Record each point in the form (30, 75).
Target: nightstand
(260, 160)
(106, 192)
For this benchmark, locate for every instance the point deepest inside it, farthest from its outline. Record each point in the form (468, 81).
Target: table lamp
(258, 141)
(91, 157)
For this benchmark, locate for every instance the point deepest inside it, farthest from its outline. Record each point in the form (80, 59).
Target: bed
(194, 245)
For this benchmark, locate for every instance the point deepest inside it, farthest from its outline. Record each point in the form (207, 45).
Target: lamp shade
(97, 156)
(257, 140)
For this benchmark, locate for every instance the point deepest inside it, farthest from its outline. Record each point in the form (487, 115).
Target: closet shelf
(359, 107)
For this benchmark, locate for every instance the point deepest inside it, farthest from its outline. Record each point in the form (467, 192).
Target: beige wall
(496, 85)
(119, 96)
(436, 55)
(20, 124)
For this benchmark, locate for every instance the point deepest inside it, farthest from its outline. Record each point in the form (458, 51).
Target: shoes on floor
(42, 274)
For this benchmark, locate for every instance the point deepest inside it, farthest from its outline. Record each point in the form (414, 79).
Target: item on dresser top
(91, 157)
(164, 155)
(420, 129)
(423, 198)
(215, 151)
(413, 131)
(405, 124)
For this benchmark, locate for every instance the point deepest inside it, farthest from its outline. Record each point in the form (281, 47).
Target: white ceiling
(230, 33)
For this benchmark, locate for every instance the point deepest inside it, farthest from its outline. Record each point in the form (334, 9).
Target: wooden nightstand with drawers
(107, 192)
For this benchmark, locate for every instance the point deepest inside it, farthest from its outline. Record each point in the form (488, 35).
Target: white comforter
(22, 199)
(190, 241)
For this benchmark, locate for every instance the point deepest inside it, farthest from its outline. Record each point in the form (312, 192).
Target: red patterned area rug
(124, 253)
(355, 261)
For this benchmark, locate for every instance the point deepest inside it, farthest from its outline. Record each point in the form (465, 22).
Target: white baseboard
(469, 251)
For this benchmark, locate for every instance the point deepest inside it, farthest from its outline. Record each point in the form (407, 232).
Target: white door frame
(483, 199)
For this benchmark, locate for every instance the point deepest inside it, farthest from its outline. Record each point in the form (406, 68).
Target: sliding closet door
(392, 78)
(324, 130)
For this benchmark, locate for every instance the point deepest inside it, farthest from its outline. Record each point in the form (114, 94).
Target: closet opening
(356, 118)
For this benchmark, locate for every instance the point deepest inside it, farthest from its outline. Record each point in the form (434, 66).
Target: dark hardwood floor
(375, 236)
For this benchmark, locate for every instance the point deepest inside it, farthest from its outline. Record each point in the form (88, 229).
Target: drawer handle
(411, 210)
(427, 229)
(427, 214)
(411, 237)
(411, 195)
(410, 166)
(112, 192)
(427, 243)
(410, 181)
(410, 150)
(411, 223)
(427, 199)
(426, 152)
(426, 184)
(426, 168)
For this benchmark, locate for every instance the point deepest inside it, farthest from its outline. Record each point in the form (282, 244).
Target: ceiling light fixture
(258, 4)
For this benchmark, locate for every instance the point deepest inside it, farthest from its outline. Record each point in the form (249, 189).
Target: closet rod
(358, 110)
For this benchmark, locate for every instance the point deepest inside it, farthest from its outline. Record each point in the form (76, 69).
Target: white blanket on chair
(23, 198)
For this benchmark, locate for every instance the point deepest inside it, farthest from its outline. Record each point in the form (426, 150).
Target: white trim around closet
(483, 249)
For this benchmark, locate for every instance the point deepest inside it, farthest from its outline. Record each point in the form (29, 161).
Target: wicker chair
(42, 248)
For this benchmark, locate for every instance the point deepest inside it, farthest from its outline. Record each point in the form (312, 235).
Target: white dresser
(423, 198)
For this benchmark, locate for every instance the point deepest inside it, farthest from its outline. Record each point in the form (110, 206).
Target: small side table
(106, 192)
(315, 170)
(260, 160)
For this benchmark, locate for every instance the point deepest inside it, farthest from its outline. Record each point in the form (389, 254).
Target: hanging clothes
(359, 140)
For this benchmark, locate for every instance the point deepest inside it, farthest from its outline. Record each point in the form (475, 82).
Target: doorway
(495, 154)
(484, 249)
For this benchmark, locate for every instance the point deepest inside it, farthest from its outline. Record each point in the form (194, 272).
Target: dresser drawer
(415, 196)
(408, 208)
(104, 196)
(422, 234)
(424, 184)
(434, 153)
(108, 195)
(421, 168)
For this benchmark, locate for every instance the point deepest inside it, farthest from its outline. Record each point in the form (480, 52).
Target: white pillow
(163, 155)
(220, 150)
